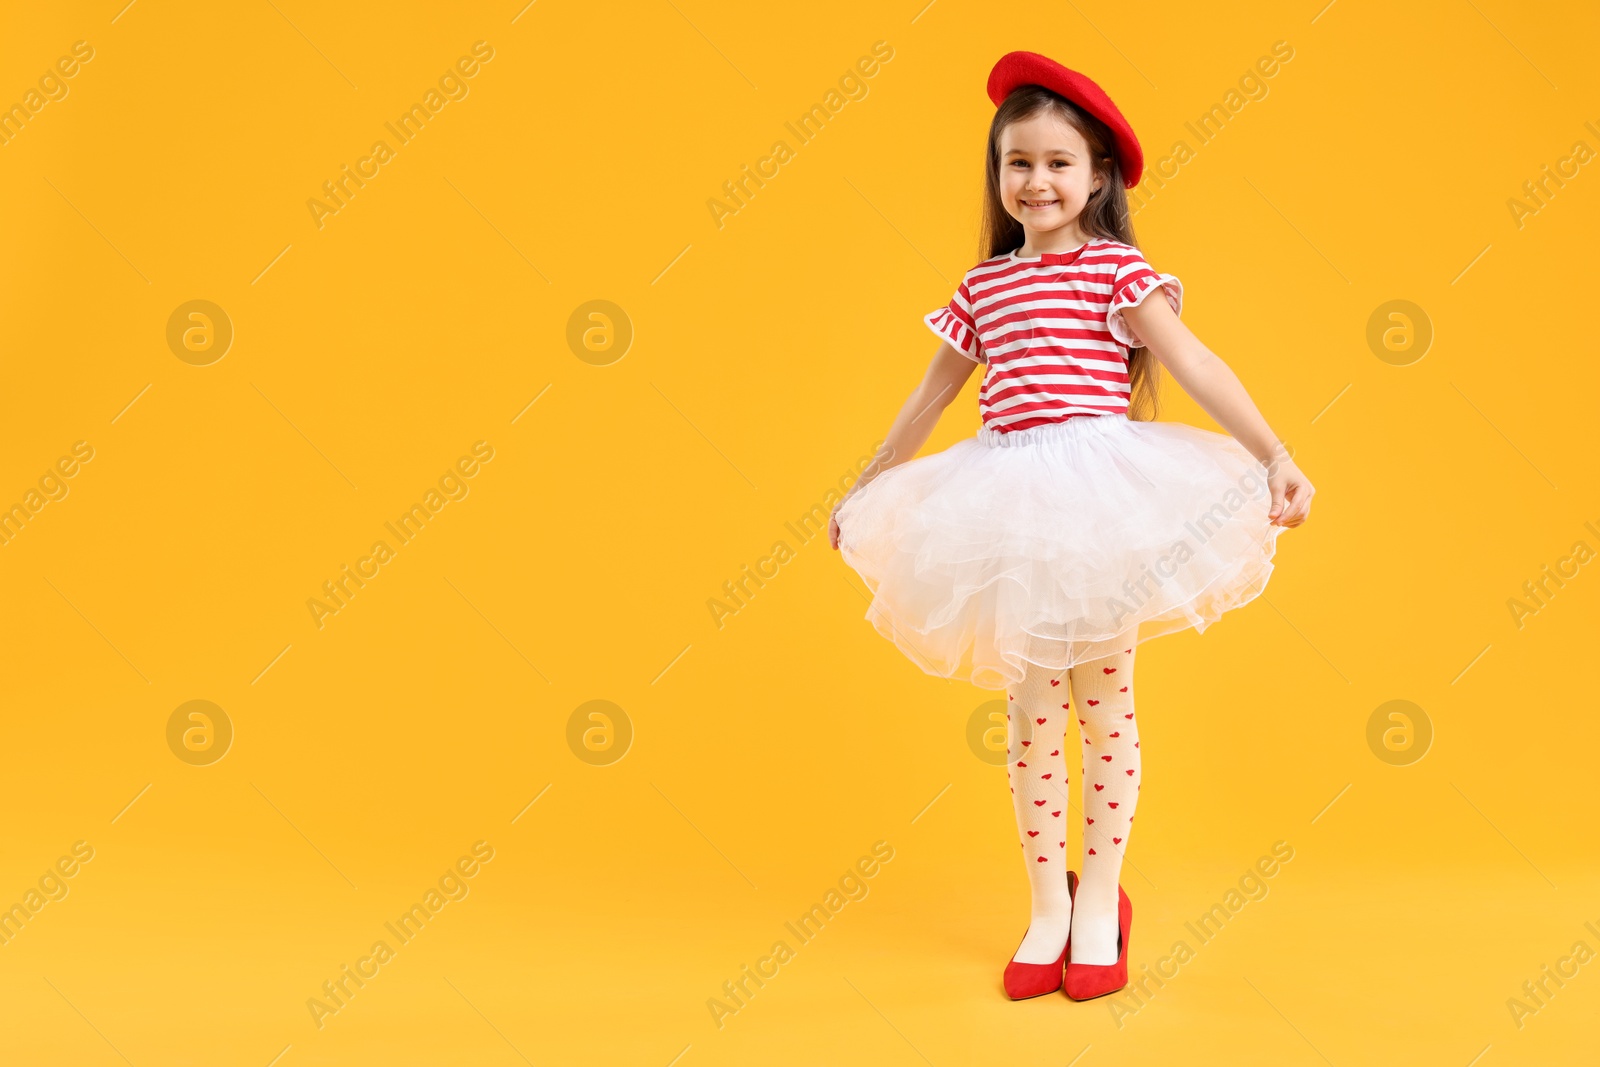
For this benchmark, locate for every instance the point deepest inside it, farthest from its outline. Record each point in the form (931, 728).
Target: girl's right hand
(1291, 494)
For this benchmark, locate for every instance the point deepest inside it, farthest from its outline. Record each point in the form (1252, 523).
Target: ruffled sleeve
(1135, 281)
(954, 324)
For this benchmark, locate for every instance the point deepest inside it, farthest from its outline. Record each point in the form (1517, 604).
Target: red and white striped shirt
(1050, 330)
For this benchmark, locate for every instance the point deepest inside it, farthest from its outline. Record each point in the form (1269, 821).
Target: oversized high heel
(1026, 980)
(1085, 981)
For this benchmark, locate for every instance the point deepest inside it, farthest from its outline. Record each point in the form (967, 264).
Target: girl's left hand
(1291, 493)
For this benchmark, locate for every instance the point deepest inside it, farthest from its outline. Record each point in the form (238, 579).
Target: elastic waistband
(1073, 426)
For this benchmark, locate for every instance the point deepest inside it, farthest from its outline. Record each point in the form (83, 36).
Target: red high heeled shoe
(1025, 980)
(1085, 981)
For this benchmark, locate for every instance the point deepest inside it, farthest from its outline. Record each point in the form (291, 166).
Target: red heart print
(1055, 681)
(1021, 764)
(1066, 707)
(1040, 804)
(1010, 697)
(1130, 773)
(1115, 733)
(1025, 744)
(1124, 689)
(1112, 803)
(1091, 820)
(1039, 721)
(1044, 859)
(1081, 722)
(1044, 776)
(1063, 844)
(1128, 716)
(1127, 650)
(1092, 703)
(1033, 833)
(1092, 852)
(1106, 758)
(1057, 752)
(1055, 814)
(1136, 744)
(1116, 840)
(1109, 670)
(1098, 787)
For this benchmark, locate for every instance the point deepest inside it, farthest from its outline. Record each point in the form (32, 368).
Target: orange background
(762, 757)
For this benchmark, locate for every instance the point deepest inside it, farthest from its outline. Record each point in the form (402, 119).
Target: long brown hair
(1104, 216)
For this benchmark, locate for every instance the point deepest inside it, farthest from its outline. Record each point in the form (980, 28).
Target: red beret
(1030, 68)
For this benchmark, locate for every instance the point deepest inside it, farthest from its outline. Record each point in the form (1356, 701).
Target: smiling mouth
(1040, 203)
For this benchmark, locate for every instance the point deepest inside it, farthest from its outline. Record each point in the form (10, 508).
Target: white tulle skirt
(1058, 544)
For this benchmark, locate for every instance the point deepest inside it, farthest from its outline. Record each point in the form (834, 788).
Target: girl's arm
(1217, 389)
(940, 384)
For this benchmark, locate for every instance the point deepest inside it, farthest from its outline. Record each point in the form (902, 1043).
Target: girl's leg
(1036, 720)
(1102, 694)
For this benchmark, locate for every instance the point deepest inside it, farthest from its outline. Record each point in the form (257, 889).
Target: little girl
(1036, 556)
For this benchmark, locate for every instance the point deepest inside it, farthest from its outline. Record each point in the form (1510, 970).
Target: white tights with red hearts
(1099, 695)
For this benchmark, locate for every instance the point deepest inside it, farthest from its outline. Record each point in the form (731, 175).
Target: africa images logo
(452, 485)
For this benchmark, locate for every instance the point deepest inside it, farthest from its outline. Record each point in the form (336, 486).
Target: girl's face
(1046, 175)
